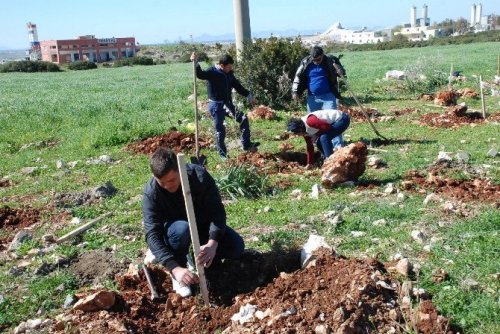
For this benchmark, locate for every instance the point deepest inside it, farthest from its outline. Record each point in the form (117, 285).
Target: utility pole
(241, 24)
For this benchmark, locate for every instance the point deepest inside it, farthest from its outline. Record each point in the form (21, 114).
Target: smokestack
(473, 15)
(413, 16)
(241, 24)
(424, 16)
(479, 13)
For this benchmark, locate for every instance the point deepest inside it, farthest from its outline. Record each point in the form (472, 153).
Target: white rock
(443, 156)
(59, 164)
(315, 191)
(380, 222)
(330, 214)
(322, 329)
(432, 198)
(397, 256)
(245, 314)
(462, 156)
(384, 285)
(336, 220)
(28, 170)
(418, 236)
(268, 209)
(72, 164)
(296, 193)
(389, 189)
(492, 152)
(33, 323)
(418, 292)
(74, 221)
(427, 248)
(313, 243)
(105, 158)
(395, 74)
(357, 234)
(401, 197)
(463, 141)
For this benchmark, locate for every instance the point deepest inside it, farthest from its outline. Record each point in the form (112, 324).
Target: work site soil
(175, 140)
(333, 295)
(13, 220)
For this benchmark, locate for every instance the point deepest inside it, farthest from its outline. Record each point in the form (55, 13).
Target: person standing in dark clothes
(166, 225)
(220, 82)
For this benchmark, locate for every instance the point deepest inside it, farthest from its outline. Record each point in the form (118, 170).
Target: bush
(141, 60)
(267, 68)
(241, 181)
(82, 65)
(29, 66)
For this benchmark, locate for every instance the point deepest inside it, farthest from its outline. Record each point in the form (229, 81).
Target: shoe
(252, 147)
(180, 288)
(149, 258)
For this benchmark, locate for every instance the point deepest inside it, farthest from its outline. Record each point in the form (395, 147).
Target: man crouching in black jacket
(166, 225)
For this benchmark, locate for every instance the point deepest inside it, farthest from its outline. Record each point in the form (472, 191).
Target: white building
(477, 20)
(419, 28)
(336, 33)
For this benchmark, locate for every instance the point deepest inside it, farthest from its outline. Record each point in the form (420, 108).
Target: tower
(473, 15)
(35, 51)
(413, 16)
(424, 16)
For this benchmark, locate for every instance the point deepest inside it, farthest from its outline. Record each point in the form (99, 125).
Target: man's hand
(207, 253)
(194, 57)
(183, 275)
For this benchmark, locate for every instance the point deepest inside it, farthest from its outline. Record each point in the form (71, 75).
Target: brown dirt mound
(13, 220)
(4, 183)
(343, 295)
(358, 115)
(286, 162)
(95, 267)
(467, 92)
(464, 190)
(262, 112)
(446, 98)
(427, 97)
(449, 120)
(401, 112)
(174, 140)
(347, 163)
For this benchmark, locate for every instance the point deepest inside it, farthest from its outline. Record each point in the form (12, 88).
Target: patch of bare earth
(94, 267)
(452, 120)
(357, 115)
(177, 141)
(337, 295)
(285, 162)
(13, 220)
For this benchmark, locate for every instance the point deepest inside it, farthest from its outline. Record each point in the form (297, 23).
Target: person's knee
(178, 234)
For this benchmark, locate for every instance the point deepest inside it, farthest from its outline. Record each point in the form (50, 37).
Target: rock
(2, 299)
(397, 256)
(48, 238)
(374, 161)
(314, 191)
(432, 198)
(401, 197)
(74, 221)
(395, 74)
(117, 326)
(70, 300)
(380, 222)
(33, 323)
(403, 267)
(463, 141)
(418, 236)
(59, 164)
(322, 329)
(314, 243)
(245, 314)
(458, 110)
(339, 315)
(28, 170)
(19, 238)
(443, 157)
(105, 158)
(357, 234)
(389, 189)
(296, 194)
(267, 209)
(72, 164)
(462, 156)
(337, 220)
(470, 284)
(492, 152)
(384, 285)
(427, 248)
(347, 163)
(101, 300)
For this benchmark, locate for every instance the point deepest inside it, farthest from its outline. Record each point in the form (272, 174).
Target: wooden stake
(450, 78)
(83, 228)
(186, 190)
(483, 105)
(498, 66)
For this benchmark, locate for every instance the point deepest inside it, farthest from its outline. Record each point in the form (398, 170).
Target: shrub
(141, 60)
(82, 65)
(267, 68)
(241, 181)
(29, 66)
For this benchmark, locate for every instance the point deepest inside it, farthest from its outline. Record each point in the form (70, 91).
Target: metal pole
(241, 24)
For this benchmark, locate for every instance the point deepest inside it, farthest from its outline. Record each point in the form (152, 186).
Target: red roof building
(87, 48)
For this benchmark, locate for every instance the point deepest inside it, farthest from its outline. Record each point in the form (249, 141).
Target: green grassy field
(84, 114)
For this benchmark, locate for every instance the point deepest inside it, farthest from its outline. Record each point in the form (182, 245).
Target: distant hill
(259, 34)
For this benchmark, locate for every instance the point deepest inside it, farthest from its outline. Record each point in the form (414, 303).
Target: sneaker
(180, 288)
(149, 258)
(252, 147)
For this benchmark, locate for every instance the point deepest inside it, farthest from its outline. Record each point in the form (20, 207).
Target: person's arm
(310, 150)
(235, 83)
(155, 232)
(296, 81)
(201, 74)
(319, 124)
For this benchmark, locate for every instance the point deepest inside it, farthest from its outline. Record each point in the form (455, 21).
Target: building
(478, 22)
(336, 33)
(34, 52)
(419, 28)
(87, 48)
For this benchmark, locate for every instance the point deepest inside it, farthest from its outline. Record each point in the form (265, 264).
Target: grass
(78, 115)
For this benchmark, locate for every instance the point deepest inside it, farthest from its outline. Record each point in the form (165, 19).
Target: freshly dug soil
(342, 295)
(94, 267)
(177, 141)
(13, 220)
(262, 112)
(357, 115)
(286, 162)
(450, 120)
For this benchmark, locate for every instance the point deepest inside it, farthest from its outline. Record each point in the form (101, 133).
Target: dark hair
(316, 51)
(226, 60)
(163, 161)
(296, 125)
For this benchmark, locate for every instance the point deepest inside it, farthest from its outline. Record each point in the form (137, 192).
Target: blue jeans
(230, 246)
(323, 102)
(324, 142)
(218, 113)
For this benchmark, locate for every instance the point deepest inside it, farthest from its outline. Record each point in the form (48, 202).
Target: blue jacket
(160, 207)
(220, 84)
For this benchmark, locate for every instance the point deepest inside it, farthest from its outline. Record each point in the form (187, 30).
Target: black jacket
(300, 82)
(160, 207)
(220, 84)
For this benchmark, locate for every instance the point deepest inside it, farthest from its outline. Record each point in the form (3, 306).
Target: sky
(159, 21)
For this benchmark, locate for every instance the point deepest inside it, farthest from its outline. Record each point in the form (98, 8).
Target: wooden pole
(450, 78)
(498, 66)
(186, 190)
(195, 93)
(83, 228)
(483, 105)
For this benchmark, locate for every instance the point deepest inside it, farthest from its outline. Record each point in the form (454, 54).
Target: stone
(59, 164)
(427, 248)
(389, 189)
(296, 194)
(418, 236)
(322, 329)
(357, 234)
(380, 222)
(346, 164)
(403, 267)
(401, 197)
(72, 164)
(101, 300)
(492, 152)
(19, 238)
(314, 191)
(28, 170)
(462, 156)
(48, 238)
(268, 209)
(374, 161)
(432, 198)
(70, 300)
(336, 220)
(443, 157)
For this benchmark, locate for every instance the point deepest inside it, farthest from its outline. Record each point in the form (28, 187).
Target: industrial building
(87, 48)
(419, 28)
